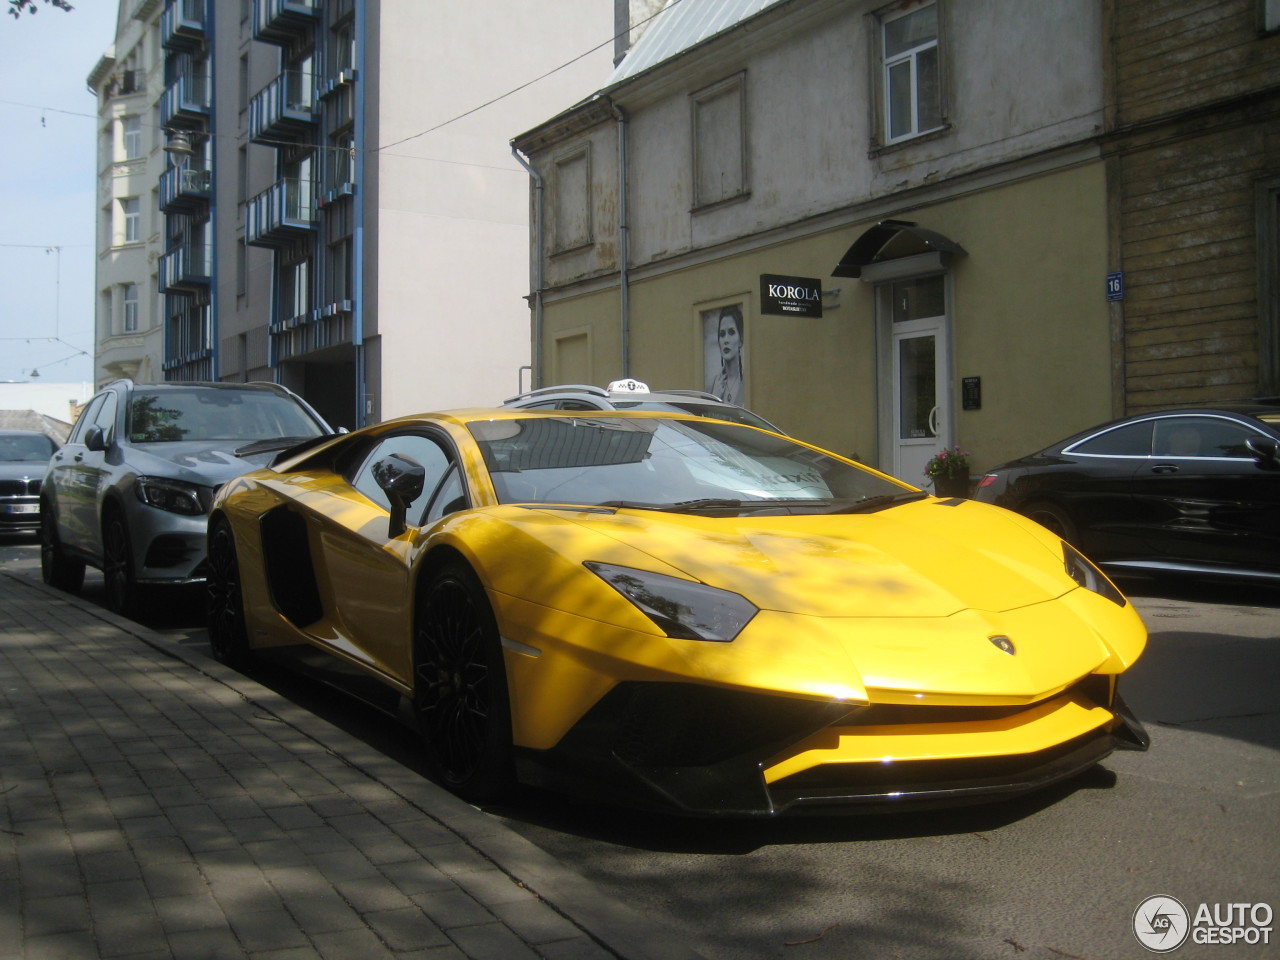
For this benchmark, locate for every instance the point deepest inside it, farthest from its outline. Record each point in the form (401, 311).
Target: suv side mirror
(401, 478)
(94, 440)
(1264, 450)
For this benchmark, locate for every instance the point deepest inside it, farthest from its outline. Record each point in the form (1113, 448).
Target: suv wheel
(117, 566)
(56, 568)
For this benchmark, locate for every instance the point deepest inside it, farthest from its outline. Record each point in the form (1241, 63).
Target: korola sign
(790, 296)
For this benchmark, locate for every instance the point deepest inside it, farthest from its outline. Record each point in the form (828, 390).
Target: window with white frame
(911, 82)
(132, 133)
(129, 308)
(131, 212)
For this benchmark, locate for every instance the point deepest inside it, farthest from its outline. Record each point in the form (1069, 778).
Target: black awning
(891, 240)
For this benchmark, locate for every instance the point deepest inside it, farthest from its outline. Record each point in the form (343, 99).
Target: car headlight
(682, 609)
(173, 496)
(1083, 572)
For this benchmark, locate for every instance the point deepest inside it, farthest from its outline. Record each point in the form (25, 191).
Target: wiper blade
(872, 504)
(707, 503)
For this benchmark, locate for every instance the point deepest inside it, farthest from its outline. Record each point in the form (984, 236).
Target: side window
(433, 457)
(86, 419)
(450, 498)
(1131, 440)
(106, 417)
(1202, 437)
(911, 82)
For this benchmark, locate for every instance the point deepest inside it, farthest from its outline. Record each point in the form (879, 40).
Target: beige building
(936, 170)
(329, 192)
(128, 81)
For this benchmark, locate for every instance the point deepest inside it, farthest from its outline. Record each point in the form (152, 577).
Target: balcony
(185, 187)
(187, 267)
(280, 214)
(283, 110)
(182, 24)
(282, 21)
(185, 102)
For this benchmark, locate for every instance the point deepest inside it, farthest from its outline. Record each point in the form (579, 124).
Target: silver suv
(635, 395)
(130, 490)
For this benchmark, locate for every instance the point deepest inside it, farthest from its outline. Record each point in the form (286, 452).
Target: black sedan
(1177, 491)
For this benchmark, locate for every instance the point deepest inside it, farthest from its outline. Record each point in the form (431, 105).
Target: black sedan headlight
(173, 496)
(1083, 572)
(682, 609)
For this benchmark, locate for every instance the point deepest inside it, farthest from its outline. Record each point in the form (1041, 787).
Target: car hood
(22, 469)
(923, 559)
(210, 462)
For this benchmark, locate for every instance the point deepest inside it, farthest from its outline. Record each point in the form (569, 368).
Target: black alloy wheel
(460, 687)
(121, 589)
(224, 601)
(1054, 519)
(56, 568)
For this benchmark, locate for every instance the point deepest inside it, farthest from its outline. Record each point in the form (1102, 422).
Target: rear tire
(1054, 519)
(56, 568)
(224, 603)
(460, 693)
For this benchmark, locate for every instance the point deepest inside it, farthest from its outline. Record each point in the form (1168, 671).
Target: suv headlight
(1083, 572)
(682, 609)
(173, 496)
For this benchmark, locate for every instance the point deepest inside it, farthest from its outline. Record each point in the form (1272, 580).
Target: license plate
(20, 508)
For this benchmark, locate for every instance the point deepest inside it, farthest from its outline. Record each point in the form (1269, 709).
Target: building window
(295, 290)
(573, 199)
(131, 211)
(129, 317)
(132, 127)
(912, 74)
(1270, 15)
(719, 142)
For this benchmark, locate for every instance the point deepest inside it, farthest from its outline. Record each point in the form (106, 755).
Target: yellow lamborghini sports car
(673, 611)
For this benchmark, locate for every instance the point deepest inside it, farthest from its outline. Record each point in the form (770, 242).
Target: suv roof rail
(562, 388)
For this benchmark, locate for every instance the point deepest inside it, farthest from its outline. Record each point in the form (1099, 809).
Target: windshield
(668, 464)
(216, 414)
(26, 448)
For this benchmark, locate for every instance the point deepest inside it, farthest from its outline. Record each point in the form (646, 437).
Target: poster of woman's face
(722, 344)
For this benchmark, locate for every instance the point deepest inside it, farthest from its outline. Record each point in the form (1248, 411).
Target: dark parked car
(24, 455)
(130, 491)
(1177, 491)
(635, 395)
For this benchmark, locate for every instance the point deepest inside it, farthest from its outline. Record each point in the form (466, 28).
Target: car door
(364, 570)
(1210, 500)
(78, 470)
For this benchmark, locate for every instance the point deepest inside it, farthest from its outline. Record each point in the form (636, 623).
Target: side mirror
(94, 440)
(401, 478)
(1264, 450)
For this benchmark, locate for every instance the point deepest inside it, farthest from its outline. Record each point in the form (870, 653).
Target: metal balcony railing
(186, 267)
(185, 102)
(182, 24)
(281, 213)
(282, 21)
(185, 187)
(284, 109)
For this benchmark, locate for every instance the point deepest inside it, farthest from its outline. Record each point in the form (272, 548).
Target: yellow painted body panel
(1040, 728)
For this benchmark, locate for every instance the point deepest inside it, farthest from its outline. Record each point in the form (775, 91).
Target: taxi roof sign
(628, 386)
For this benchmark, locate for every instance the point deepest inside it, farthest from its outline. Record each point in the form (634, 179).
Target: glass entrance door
(917, 387)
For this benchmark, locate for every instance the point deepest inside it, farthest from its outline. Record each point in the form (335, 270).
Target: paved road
(1058, 875)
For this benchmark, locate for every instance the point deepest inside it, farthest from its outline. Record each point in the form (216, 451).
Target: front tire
(460, 687)
(224, 599)
(121, 588)
(56, 568)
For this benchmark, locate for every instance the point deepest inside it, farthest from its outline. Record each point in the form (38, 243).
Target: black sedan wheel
(228, 636)
(1054, 519)
(117, 566)
(460, 687)
(56, 568)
